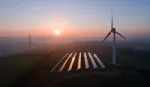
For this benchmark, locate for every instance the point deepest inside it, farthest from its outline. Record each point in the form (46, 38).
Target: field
(34, 68)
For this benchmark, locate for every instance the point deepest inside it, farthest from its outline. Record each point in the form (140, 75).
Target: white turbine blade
(106, 36)
(112, 20)
(120, 35)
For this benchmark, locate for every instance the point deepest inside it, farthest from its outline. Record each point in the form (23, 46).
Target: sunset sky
(73, 17)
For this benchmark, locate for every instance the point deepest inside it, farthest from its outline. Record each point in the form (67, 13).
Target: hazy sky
(73, 17)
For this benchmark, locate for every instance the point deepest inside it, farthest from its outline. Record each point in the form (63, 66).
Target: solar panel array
(78, 61)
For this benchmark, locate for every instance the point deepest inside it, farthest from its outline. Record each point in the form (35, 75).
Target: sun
(57, 32)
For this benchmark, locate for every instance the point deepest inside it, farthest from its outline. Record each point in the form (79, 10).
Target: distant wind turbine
(113, 30)
(30, 42)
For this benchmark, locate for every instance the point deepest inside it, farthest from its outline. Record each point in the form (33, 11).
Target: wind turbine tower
(114, 32)
(30, 42)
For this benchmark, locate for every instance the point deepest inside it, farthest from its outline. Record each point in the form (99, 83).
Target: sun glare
(57, 32)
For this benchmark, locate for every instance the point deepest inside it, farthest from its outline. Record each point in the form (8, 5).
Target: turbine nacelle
(113, 30)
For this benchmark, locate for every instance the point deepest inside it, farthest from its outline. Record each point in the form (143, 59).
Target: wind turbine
(114, 32)
(30, 42)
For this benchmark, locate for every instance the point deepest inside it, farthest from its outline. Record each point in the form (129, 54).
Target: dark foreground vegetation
(33, 68)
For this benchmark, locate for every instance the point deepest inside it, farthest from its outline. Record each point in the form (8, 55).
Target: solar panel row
(76, 61)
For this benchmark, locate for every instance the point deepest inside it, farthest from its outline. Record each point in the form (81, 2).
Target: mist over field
(13, 45)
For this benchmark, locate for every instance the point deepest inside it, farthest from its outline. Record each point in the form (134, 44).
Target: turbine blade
(120, 35)
(106, 36)
(112, 20)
